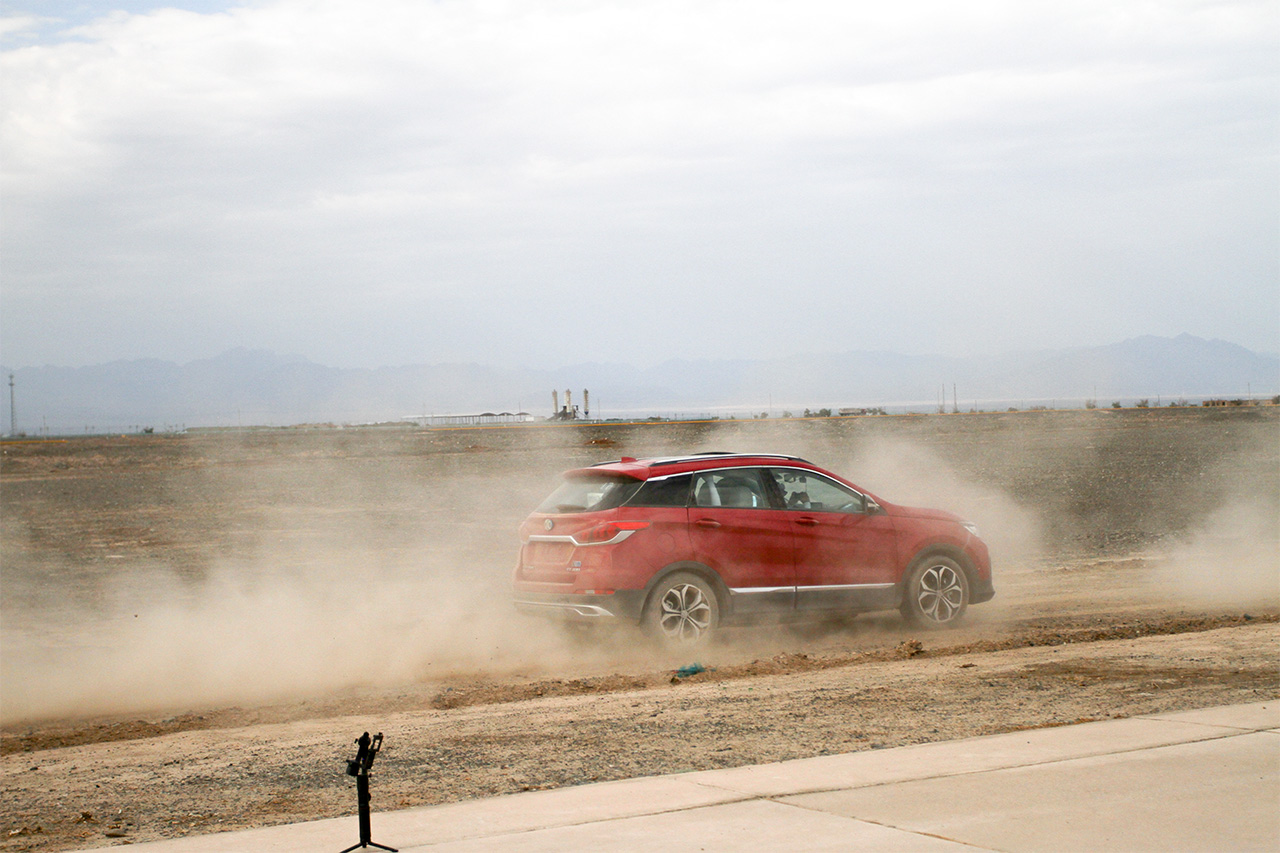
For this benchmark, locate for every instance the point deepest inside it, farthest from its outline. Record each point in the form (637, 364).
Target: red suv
(687, 544)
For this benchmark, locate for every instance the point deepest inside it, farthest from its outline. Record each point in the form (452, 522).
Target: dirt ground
(194, 629)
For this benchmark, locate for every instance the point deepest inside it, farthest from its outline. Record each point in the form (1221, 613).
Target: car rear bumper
(621, 605)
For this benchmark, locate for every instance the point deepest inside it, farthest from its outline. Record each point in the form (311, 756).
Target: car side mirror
(873, 508)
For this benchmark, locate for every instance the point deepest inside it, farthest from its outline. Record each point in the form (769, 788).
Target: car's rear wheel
(683, 610)
(936, 593)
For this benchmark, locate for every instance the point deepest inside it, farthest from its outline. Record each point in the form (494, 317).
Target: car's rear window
(591, 493)
(664, 491)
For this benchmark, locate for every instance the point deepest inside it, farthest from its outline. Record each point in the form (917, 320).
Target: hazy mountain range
(258, 387)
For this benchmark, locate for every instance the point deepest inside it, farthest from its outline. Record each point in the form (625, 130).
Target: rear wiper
(569, 508)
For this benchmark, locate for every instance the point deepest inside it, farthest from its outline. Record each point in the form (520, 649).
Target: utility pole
(13, 415)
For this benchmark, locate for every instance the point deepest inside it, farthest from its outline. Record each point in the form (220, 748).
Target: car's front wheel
(683, 610)
(936, 593)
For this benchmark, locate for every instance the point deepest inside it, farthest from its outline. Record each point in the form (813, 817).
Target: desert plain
(194, 628)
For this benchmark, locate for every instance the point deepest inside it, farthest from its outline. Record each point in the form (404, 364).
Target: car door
(735, 529)
(844, 545)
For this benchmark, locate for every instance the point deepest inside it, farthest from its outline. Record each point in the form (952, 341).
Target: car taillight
(607, 531)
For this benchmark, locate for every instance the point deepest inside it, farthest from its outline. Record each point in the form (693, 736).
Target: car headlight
(970, 526)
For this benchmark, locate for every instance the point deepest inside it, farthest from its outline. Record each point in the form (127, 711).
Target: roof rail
(694, 457)
(675, 460)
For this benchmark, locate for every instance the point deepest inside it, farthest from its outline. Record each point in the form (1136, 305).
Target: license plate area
(548, 562)
(548, 554)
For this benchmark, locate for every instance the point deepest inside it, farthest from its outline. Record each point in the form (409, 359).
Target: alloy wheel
(941, 595)
(685, 613)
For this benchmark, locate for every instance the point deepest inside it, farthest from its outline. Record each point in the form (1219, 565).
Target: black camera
(368, 750)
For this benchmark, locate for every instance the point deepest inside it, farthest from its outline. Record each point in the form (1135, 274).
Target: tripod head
(368, 750)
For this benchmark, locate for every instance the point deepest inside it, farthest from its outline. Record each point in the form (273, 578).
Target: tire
(936, 594)
(683, 611)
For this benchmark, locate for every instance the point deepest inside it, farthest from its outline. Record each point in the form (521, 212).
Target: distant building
(482, 419)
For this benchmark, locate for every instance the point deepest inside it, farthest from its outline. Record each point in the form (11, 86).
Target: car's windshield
(590, 493)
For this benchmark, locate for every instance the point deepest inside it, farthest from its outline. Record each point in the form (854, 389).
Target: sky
(541, 183)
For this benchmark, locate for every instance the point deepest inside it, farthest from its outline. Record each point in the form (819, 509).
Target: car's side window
(664, 491)
(803, 490)
(733, 487)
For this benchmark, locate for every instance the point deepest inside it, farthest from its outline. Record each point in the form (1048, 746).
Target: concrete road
(1195, 780)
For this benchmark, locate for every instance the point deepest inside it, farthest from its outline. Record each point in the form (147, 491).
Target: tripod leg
(363, 797)
(366, 834)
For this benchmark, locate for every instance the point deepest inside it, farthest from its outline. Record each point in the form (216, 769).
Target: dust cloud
(312, 566)
(908, 473)
(1229, 552)
(1233, 558)
(241, 636)
(316, 576)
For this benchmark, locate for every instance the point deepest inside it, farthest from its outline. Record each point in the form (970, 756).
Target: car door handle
(808, 521)
(706, 522)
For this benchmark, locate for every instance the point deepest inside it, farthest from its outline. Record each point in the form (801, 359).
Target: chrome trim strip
(833, 587)
(539, 537)
(580, 609)
(839, 586)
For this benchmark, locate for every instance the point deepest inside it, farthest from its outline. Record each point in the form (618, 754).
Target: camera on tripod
(359, 767)
(368, 750)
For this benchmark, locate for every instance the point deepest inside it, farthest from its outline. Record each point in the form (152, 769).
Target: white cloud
(847, 169)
